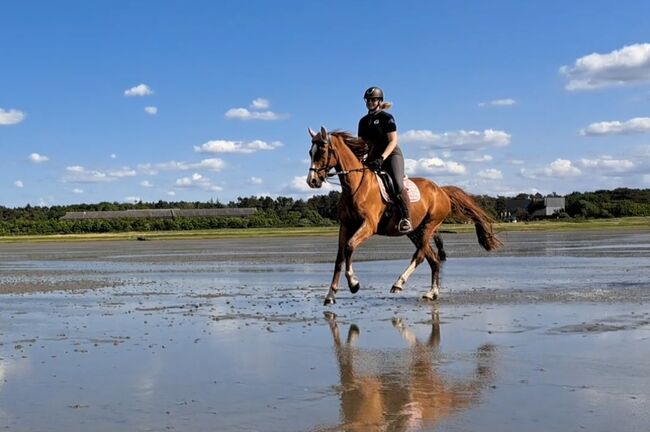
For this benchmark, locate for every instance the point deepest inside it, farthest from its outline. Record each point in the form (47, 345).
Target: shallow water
(553, 333)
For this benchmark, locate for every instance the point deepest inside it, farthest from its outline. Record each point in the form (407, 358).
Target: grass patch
(593, 224)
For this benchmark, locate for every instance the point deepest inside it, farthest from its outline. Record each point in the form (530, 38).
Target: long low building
(161, 213)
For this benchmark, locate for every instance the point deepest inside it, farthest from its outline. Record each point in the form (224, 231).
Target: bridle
(328, 166)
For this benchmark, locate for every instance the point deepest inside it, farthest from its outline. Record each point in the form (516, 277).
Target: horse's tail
(464, 207)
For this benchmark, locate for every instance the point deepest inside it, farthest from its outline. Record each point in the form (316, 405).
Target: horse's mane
(358, 146)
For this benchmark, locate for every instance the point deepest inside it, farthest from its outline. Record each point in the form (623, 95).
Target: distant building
(160, 213)
(552, 205)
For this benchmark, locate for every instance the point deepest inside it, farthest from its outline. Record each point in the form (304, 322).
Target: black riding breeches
(394, 165)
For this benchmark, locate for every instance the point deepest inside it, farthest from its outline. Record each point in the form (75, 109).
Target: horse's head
(322, 157)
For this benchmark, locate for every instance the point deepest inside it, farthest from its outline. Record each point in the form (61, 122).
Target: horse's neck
(347, 163)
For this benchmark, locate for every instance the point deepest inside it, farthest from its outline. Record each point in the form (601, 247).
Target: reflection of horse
(361, 210)
(400, 399)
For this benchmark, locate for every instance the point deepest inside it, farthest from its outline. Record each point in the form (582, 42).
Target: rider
(378, 129)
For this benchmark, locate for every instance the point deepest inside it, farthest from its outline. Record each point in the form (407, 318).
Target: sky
(124, 101)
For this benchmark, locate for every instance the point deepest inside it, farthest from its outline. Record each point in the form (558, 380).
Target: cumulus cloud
(225, 146)
(146, 184)
(212, 164)
(635, 125)
(557, 168)
(77, 191)
(607, 165)
(433, 166)
(479, 158)
(19, 183)
(490, 174)
(197, 181)
(260, 104)
(298, 185)
(151, 110)
(459, 140)
(498, 103)
(10, 117)
(256, 180)
(38, 158)
(628, 65)
(79, 174)
(139, 90)
(132, 199)
(255, 112)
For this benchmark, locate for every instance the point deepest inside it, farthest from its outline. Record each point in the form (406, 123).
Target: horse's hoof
(355, 288)
(395, 289)
(430, 297)
(329, 301)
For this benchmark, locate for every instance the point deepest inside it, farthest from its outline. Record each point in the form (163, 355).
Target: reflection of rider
(378, 129)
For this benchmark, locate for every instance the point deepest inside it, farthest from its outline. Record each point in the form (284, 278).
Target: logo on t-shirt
(376, 121)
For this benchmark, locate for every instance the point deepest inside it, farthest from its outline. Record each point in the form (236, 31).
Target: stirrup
(404, 226)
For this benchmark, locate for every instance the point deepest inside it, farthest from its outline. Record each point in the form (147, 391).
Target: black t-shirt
(374, 129)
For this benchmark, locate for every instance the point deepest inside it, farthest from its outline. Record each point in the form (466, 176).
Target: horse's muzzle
(313, 180)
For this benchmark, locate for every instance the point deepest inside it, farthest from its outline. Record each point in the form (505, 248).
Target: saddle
(386, 184)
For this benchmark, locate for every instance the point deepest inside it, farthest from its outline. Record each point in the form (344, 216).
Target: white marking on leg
(352, 278)
(405, 276)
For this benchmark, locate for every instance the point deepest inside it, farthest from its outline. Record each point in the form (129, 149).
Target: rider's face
(372, 103)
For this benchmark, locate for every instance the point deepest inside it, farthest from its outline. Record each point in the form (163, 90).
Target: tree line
(320, 210)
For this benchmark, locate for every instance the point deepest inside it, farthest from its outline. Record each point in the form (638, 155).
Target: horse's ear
(323, 133)
(311, 132)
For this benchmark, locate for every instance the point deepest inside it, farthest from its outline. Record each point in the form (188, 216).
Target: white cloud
(38, 158)
(490, 174)
(79, 174)
(646, 178)
(460, 140)
(557, 168)
(132, 199)
(77, 191)
(224, 146)
(19, 183)
(435, 166)
(139, 90)
(113, 156)
(151, 110)
(260, 104)
(607, 164)
(628, 65)
(256, 180)
(635, 125)
(196, 180)
(212, 164)
(498, 103)
(245, 114)
(171, 193)
(146, 184)
(299, 185)
(479, 158)
(11, 117)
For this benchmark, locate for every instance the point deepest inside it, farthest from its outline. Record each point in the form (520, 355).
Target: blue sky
(170, 100)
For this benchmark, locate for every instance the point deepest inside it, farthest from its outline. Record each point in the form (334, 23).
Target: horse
(361, 210)
(409, 392)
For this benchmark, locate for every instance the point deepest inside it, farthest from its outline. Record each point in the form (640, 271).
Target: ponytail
(385, 105)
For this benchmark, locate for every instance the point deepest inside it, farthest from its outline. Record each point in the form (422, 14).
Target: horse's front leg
(416, 260)
(334, 286)
(365, 231)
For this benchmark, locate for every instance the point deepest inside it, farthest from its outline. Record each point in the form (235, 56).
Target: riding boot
(402, 201)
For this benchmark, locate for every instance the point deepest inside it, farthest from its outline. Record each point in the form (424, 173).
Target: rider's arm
(392, 143)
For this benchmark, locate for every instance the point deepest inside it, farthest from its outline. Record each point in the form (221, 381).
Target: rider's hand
(375, 165)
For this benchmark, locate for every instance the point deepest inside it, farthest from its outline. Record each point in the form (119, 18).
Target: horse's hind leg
(434, 263)
(442, 255)
(419, 255)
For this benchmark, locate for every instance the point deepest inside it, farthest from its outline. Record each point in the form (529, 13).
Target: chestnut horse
(361, 210)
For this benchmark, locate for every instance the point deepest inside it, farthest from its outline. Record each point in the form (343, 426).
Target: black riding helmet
(374, 92)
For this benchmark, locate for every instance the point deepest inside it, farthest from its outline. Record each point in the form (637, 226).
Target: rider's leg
(395, 163)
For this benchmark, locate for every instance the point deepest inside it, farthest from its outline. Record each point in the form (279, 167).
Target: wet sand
(551, 333)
